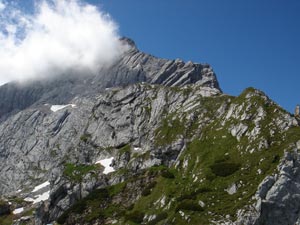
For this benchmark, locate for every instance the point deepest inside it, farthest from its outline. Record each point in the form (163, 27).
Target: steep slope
(183, 158)
(30, 137)
(161, 145)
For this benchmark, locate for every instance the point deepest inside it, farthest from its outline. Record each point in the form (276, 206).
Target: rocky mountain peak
(146, 141)
(132, 67)
(129, 42)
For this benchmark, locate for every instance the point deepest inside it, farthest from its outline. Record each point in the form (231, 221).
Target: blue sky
(248, 43)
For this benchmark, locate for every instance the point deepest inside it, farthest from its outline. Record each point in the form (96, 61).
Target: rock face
(278, 196)
(36, 136)
(148, 141)
(132, 67)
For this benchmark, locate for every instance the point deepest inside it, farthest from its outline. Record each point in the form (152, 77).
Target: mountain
(146, 141)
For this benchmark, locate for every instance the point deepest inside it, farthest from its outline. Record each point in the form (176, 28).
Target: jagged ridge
(132, 67)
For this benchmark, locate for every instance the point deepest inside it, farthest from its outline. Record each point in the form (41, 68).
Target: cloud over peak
(61, 35)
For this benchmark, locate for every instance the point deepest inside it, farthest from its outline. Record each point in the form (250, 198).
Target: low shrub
(276, 158)
(187, 196)
(167, 174)
(85, 137)
(135, 216)
(202, 190)
(189, 205)
(193, 195)
(77, 172)
(148, 189)
(224, 169)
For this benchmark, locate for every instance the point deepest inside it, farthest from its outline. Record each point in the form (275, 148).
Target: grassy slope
(212, 161)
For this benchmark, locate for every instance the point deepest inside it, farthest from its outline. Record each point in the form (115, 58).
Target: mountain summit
(145, 141)
(132, 67)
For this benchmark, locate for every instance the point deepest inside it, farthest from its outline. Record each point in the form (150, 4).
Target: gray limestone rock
(278, 197)
(120, 113)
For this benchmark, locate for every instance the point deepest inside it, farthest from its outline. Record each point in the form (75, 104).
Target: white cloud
(2, 6)
(62, 35)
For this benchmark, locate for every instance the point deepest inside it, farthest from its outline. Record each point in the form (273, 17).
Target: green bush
(131, 207)
(146, 192)
(193, 195)
(202, 190)
(186, 196)
(224, 169)
(276, 158)
(167, 174)
(77, 172)
(98, 195)
(85, 137)
(148, 189)
(79, 207)
(124, 149)
(189, 205)
(210, 176)
(135, 216)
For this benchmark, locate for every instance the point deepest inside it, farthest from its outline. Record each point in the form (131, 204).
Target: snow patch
(107, 165)
(18, 211)
(28, 199)
(42, 197)
(45, 184)
(55, 108)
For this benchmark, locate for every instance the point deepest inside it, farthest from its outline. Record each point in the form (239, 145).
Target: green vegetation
(148, 189)
(77, 172)
(168, 132)
(167, 174)
(125, 149)
(2, 203)
(6, 220)
(17, 200)
(224, 169)
(135, 216)
(96, 205)
(29, 212)
(213, 160)
(189, 205)
(85, 137)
